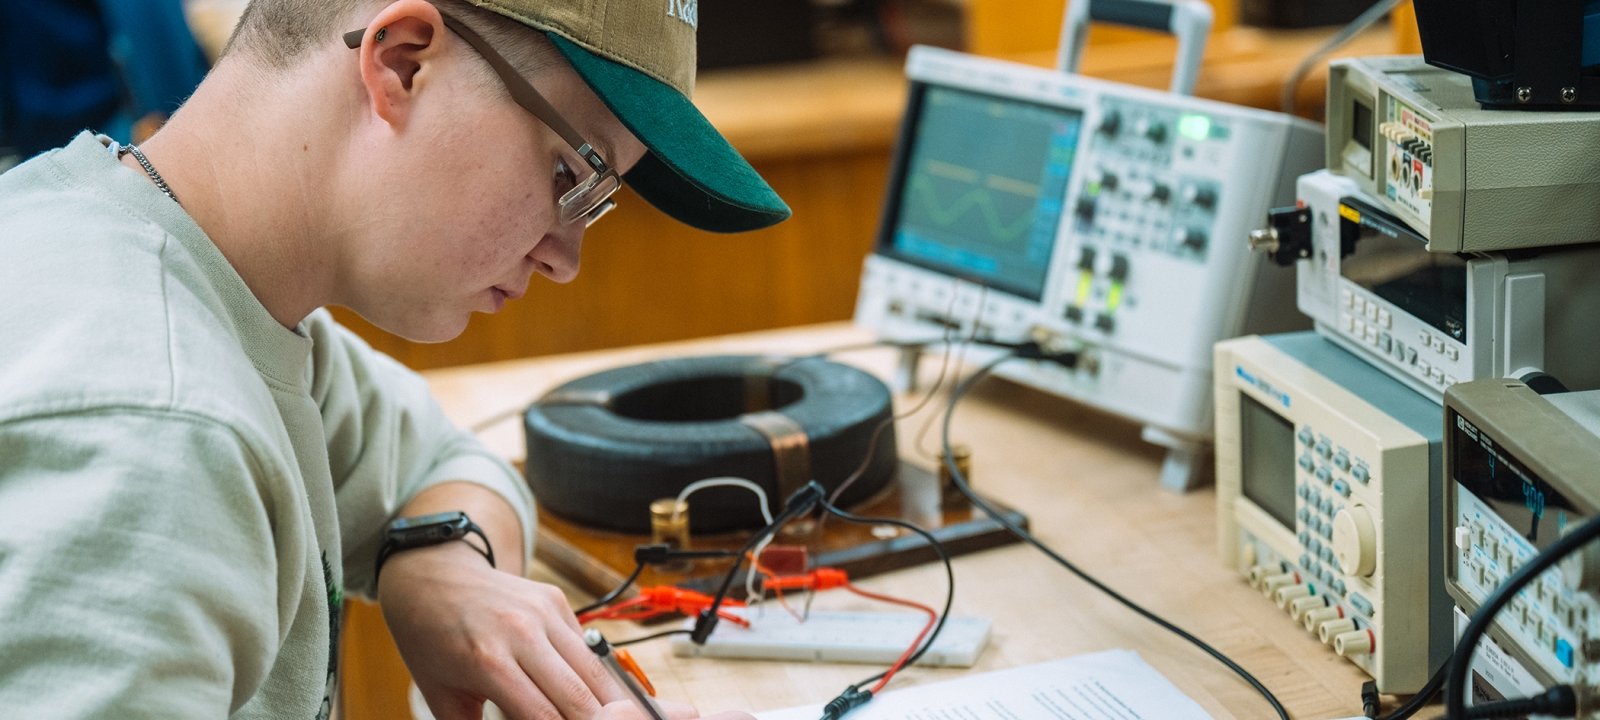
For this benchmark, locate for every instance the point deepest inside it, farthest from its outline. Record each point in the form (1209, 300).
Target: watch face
(428, 529)
(445, 518)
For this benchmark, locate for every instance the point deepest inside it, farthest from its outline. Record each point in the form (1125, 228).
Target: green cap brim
(690, 171)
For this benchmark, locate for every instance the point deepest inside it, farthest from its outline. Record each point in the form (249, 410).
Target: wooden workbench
(1090, 487)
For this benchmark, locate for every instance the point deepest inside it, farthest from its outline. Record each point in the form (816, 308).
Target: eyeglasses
(585, 201)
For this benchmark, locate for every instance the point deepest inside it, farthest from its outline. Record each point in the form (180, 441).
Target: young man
(196, 462)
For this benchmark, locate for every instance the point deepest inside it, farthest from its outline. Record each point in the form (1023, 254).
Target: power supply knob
(1355, 541)
(1355, 643)
(1314, 619)
(1285, 595)
(1334, 628)
(1303, 606)
(1271, 583)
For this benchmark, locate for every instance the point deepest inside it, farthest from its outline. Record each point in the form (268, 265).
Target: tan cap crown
(655, 37)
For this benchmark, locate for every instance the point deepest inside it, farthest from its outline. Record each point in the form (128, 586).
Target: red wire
(933, 618)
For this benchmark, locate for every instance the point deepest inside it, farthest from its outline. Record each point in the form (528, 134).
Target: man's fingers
(582, 660)
(510, 688)
(568, 677)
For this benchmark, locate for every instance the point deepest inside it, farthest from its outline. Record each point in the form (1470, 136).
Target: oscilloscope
(1027, 202)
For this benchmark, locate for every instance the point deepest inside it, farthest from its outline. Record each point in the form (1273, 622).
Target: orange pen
(625, 659)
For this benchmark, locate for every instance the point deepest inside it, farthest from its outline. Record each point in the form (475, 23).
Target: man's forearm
(486, 507)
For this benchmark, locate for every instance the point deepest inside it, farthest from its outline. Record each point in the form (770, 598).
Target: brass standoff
(669, 525)
(791, 448)
(950, 497)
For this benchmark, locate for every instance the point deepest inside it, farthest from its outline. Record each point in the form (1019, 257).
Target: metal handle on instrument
(1188, 20)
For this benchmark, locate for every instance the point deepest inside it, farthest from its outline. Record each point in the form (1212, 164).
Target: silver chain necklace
(149, 170)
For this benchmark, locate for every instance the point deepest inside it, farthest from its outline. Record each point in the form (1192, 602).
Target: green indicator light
(1194, 127)
(1085, 284)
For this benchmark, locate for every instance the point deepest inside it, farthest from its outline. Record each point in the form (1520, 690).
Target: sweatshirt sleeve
(135, 583)
(387, 441)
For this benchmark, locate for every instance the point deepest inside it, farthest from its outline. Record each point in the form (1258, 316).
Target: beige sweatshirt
(187, 488)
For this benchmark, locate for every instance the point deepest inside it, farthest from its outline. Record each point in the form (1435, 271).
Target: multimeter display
(1525, 501)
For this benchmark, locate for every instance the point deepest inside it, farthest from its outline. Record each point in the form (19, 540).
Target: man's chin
(436, 329)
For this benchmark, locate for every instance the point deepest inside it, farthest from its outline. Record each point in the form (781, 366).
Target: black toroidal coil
(602, 447)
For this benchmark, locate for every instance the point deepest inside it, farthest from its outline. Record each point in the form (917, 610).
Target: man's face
(467, 205)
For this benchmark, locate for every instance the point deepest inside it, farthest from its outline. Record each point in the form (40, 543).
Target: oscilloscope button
(1160, 192)
(1104, 322)
(1108, 181)
(1306, 462)
(1342, 461)
(1324, 475)
(1305, 436)
(1361, 474)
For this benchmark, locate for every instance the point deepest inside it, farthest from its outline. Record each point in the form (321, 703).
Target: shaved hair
(280, 34)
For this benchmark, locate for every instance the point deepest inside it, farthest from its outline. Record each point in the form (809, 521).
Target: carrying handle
(1189, 20)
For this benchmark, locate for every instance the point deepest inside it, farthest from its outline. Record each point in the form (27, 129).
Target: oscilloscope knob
(1160, 192)
(1200, 196)
(1355, 541)
(1111, 123)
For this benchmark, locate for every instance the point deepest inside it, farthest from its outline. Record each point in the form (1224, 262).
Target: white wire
(766, 514)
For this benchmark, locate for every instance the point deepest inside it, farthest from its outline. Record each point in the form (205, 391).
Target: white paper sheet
(1110, 685)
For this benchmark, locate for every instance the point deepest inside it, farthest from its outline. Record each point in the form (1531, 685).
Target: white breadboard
(851, 637)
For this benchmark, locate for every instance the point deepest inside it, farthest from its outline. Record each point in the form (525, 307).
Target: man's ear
(399, 48)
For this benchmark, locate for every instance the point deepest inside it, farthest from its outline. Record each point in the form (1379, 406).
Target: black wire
(615, 592)
(960, 482)
(1456, 680)
(949, 574)
(1422, 697)
(653, 636)
(796, 504)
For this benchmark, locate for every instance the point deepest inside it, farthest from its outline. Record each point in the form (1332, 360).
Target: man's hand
(469, 633)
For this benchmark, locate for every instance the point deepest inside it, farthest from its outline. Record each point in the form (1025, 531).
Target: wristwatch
(427, 530)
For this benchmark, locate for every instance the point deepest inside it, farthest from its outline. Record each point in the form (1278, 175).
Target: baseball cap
(638, 56)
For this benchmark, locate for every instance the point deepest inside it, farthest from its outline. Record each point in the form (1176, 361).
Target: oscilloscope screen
(979, 187)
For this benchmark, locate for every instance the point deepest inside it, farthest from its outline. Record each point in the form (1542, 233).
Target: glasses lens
(581, 201)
